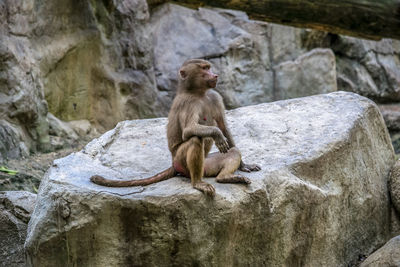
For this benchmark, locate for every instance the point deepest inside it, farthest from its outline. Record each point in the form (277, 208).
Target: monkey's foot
(205, 188)
(249, 167)
(234, 179)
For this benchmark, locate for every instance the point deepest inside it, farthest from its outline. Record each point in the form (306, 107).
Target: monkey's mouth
(212, 83)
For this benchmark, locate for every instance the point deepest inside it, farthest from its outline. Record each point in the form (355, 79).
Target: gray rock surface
(12, 145)
(388, 255)
(82, 127)
(246, 55)
(96, 63)
(391, 115)
(394, 185)
(16, 208)
(310, 74)
(321, 198)
(21, 90)
(369, 68)
(107, 61)
(77, 60)
(61, 133)
(61, 128)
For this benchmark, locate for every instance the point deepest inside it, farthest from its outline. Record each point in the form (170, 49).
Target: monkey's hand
(249, 167)
(222, 144)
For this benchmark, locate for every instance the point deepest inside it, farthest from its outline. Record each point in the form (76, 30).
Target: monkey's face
(208, 76)
(204, 77)
(198, 75)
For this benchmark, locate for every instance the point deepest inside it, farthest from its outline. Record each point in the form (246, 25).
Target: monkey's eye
(206, 67)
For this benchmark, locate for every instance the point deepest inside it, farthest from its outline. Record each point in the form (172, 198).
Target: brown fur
(195, 121)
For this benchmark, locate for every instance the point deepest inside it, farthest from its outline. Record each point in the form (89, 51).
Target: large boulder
(388, 255)
(15, 210)
(321, 198)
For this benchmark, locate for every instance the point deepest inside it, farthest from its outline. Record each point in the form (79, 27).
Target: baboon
(197, 120)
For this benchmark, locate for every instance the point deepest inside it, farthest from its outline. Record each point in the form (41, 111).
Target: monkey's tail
(164, 175)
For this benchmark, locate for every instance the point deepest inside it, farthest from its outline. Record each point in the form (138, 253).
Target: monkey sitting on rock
(196, 120)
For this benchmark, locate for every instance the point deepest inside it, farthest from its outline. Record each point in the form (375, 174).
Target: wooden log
(372, 19)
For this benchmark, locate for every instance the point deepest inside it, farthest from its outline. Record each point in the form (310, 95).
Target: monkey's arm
(221, 122)
(206, 131)
(191, 128)
(243, 166)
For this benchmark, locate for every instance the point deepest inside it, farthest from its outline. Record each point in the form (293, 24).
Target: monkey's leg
(223, 166)
(191, 155)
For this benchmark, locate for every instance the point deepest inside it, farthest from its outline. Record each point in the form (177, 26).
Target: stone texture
(97, 63)
(15, 210)
(395, 222)
(26, 180)
(11, 142)
(61, 133)
(81, 58)
(369, 19)
(82, 127)
(244, 53)
(394, 185)
(395, 136)
(388, 255)
(321, 198)
(369, 68)
(60, 128)
(391, 115)
(21, 90)
(240, 55)
(107, 61)
(247, 53)
(293, 78)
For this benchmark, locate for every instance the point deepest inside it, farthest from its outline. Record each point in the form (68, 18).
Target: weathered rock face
(107, 61)
(369, 68)
(310, 74)
(394, 186)
(10, 141)
(246, 55)
(21, 90)
(255, 59)
(391, 115)
(321, 198)
(91, 60)
(388, 255)
(15, 210)
(365, 67)
(96, 63)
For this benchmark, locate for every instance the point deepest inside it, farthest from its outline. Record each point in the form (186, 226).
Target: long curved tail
(164, 175)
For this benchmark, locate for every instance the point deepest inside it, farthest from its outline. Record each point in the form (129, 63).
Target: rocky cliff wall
(107, 61)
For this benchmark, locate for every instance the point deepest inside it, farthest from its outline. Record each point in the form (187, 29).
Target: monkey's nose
(216, 76)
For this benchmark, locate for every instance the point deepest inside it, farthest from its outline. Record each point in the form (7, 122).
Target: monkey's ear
(182, 74)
